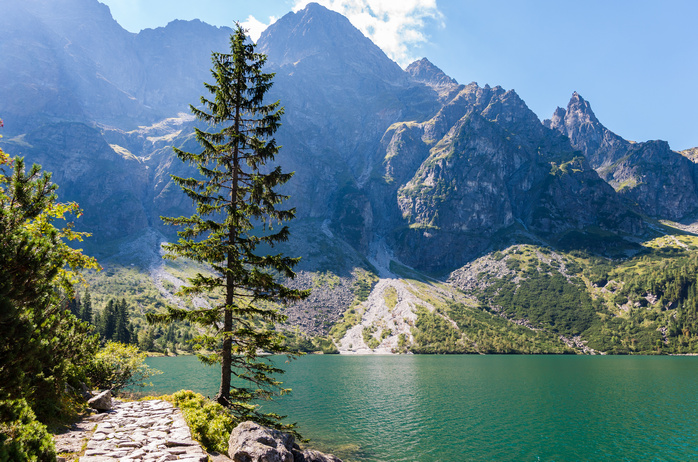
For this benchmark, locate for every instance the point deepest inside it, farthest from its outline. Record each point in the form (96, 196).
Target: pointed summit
(325, 40)
(425, 72)
(580, 109)
(601, 146)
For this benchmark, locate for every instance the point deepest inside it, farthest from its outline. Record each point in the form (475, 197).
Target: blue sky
(635, 61)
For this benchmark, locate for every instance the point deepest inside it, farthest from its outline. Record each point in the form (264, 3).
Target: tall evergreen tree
(86, 310)
(122, 326)
(107, 325)
(236, 212)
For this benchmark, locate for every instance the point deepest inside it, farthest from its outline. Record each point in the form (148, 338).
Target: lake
(481, 408)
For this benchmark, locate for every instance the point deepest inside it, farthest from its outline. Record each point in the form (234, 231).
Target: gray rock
(85, 391)
(251, 442)
(101, 402)
(310, 455)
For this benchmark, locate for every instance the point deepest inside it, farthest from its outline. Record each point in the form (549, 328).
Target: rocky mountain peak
(601, 146)
(580, 109)
(557, 120)
(325, 40)
(425, 72)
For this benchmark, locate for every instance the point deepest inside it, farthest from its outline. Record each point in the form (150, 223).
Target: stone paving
(151, 431)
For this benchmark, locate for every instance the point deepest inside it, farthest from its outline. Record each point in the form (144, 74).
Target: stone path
(144, 431)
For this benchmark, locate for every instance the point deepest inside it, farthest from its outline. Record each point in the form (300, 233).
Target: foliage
(113, 322)
(546, 299)
(369, 339)
(363, 284)
(390, 297)
(22, 437)
(117, 366)
(299, 342)
(434, 334)
(209, 422)
(44, 345)
(236, 212)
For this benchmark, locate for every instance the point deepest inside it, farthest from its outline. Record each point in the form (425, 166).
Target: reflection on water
(481, 408)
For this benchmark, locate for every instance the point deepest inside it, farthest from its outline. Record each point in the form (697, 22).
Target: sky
(635, 61)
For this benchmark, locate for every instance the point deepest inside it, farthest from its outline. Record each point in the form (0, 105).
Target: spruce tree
(107, 326)
(236, 212)
(122, 325)
(86, 311)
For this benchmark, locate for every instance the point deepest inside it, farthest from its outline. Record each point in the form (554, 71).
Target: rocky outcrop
(251, 442)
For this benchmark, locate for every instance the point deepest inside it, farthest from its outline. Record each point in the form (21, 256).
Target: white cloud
(396, 26)
(255, 27)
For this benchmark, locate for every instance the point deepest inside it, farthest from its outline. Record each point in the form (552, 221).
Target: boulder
(251, 442)
(101, 402)
(85, 392)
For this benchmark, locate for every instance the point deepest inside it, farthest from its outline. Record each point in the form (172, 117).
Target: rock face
(425, 72)
(484, 164)
(251, 442)
(660, 181)
(101, 402)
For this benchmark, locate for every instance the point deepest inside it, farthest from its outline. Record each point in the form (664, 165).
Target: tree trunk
(226, 355)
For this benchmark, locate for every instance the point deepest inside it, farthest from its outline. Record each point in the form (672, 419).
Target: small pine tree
(236, 212)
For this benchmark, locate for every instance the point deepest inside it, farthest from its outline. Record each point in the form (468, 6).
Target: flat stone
(180, 434)
(167, 457)
(171, 443)
(137, 454)
(129, 444)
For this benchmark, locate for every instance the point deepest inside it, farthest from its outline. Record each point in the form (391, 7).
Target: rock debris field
(144, 431)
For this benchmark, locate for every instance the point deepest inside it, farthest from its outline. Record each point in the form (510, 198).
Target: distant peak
(425, 72)
(579, 106)
(316, 37)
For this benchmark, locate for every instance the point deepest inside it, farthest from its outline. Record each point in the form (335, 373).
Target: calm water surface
(481, 408)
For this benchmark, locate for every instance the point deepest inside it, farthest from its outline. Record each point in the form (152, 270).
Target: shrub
(22, 437)
(210, 423)
(118, 365)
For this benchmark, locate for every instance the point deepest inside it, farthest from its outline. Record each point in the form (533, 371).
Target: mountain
(489, 165)
(422, 204)
(663, 183)
(70, 60)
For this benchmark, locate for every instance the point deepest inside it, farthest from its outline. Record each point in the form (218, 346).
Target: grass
(390, 297)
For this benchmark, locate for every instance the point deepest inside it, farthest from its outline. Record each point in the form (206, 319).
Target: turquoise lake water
(481, 408)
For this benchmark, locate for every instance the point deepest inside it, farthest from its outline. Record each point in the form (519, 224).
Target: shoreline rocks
(251, 442)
